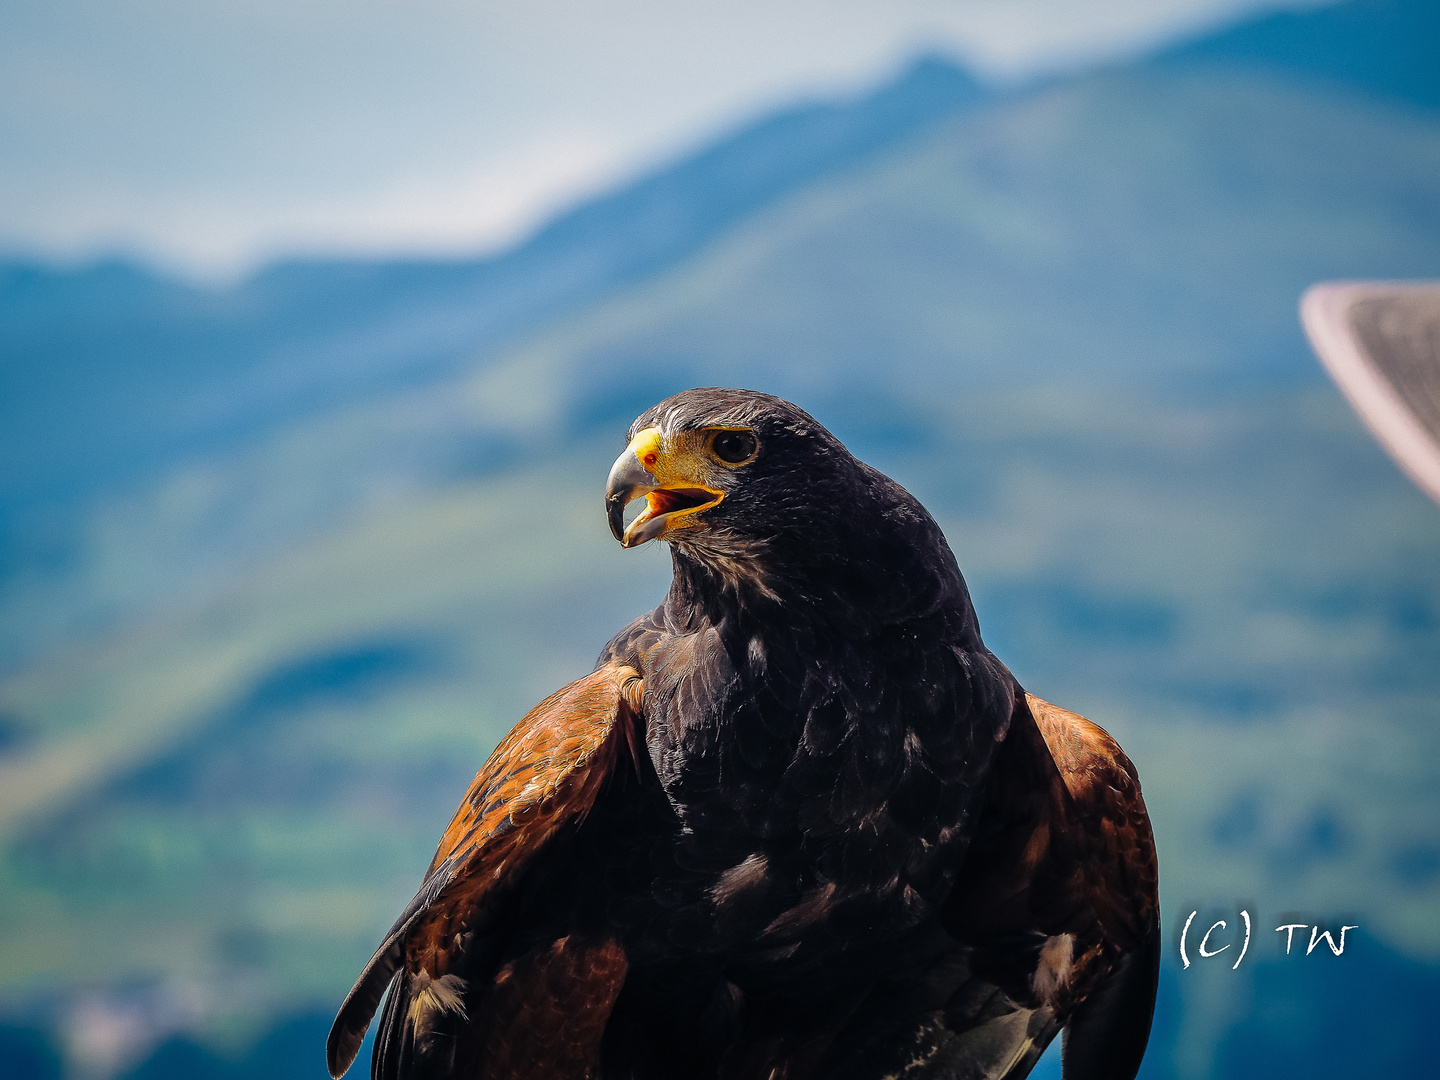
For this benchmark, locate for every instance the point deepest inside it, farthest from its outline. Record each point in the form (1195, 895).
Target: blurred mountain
(340, 525)
(1384, 47)
(108, 371)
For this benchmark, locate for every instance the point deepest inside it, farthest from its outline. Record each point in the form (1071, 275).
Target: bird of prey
(798, 822)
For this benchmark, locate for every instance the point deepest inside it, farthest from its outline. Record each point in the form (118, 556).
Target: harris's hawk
(798, 822)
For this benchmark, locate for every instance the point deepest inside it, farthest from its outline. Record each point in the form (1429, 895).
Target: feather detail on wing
(1112, 846)
(543, 777)
(1110, 837)
(1058, 896)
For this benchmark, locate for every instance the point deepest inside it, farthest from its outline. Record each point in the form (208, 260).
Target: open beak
(670, 497)
(628, 481)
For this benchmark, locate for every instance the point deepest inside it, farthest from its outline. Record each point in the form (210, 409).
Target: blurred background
(302, 305)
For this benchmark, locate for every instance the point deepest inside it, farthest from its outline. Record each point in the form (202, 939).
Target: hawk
(798, 822)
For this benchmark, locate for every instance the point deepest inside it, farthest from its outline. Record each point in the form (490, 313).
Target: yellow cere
(646, 446)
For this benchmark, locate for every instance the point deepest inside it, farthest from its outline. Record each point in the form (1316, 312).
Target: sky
(207, 139)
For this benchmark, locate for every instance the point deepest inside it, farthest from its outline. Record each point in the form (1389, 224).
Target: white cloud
(217, 235)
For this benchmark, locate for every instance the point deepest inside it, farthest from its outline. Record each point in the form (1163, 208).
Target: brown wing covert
(544, 777)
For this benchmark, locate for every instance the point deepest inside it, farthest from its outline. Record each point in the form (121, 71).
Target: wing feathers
(1111, 851)
(1106, 1037)
(549, 1008)
(544, 776)
(1111, 844)
(1058, 894)
(385, 1058)
(351, 1022)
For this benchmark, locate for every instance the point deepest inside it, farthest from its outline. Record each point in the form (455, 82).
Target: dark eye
(734, 447)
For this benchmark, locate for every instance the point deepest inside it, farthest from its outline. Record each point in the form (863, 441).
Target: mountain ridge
(442, 310)
(336, 330)
(1387, 48)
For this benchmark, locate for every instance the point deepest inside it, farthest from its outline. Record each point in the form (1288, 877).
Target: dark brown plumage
(799, 822)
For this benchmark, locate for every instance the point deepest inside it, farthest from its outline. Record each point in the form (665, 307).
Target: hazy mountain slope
(1387, 48)
(1135, 230)
(153, 370)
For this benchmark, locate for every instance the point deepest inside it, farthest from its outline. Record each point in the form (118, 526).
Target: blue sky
(208, 138)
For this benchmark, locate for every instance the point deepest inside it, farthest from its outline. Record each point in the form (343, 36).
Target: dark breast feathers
(799, 822)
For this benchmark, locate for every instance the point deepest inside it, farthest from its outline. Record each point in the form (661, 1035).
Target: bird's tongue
(661, 505)
(670, 500)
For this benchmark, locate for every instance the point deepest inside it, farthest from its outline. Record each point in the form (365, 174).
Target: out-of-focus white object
(1380, 341)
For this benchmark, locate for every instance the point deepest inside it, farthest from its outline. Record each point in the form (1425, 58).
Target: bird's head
(755, 490)
(726, 472)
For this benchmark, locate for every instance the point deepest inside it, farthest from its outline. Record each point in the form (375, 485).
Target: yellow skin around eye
(683, 461)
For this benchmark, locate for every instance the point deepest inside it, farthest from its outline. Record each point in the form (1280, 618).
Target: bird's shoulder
(1058, 896)
(1063, 827)
(1096, 771)
(544, 770)
(1108, 827)
(543, 777)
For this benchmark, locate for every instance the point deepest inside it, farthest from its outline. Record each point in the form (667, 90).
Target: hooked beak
(628, 480)
(671, 498)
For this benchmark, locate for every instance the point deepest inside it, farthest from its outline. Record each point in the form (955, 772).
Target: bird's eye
(734, 447)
